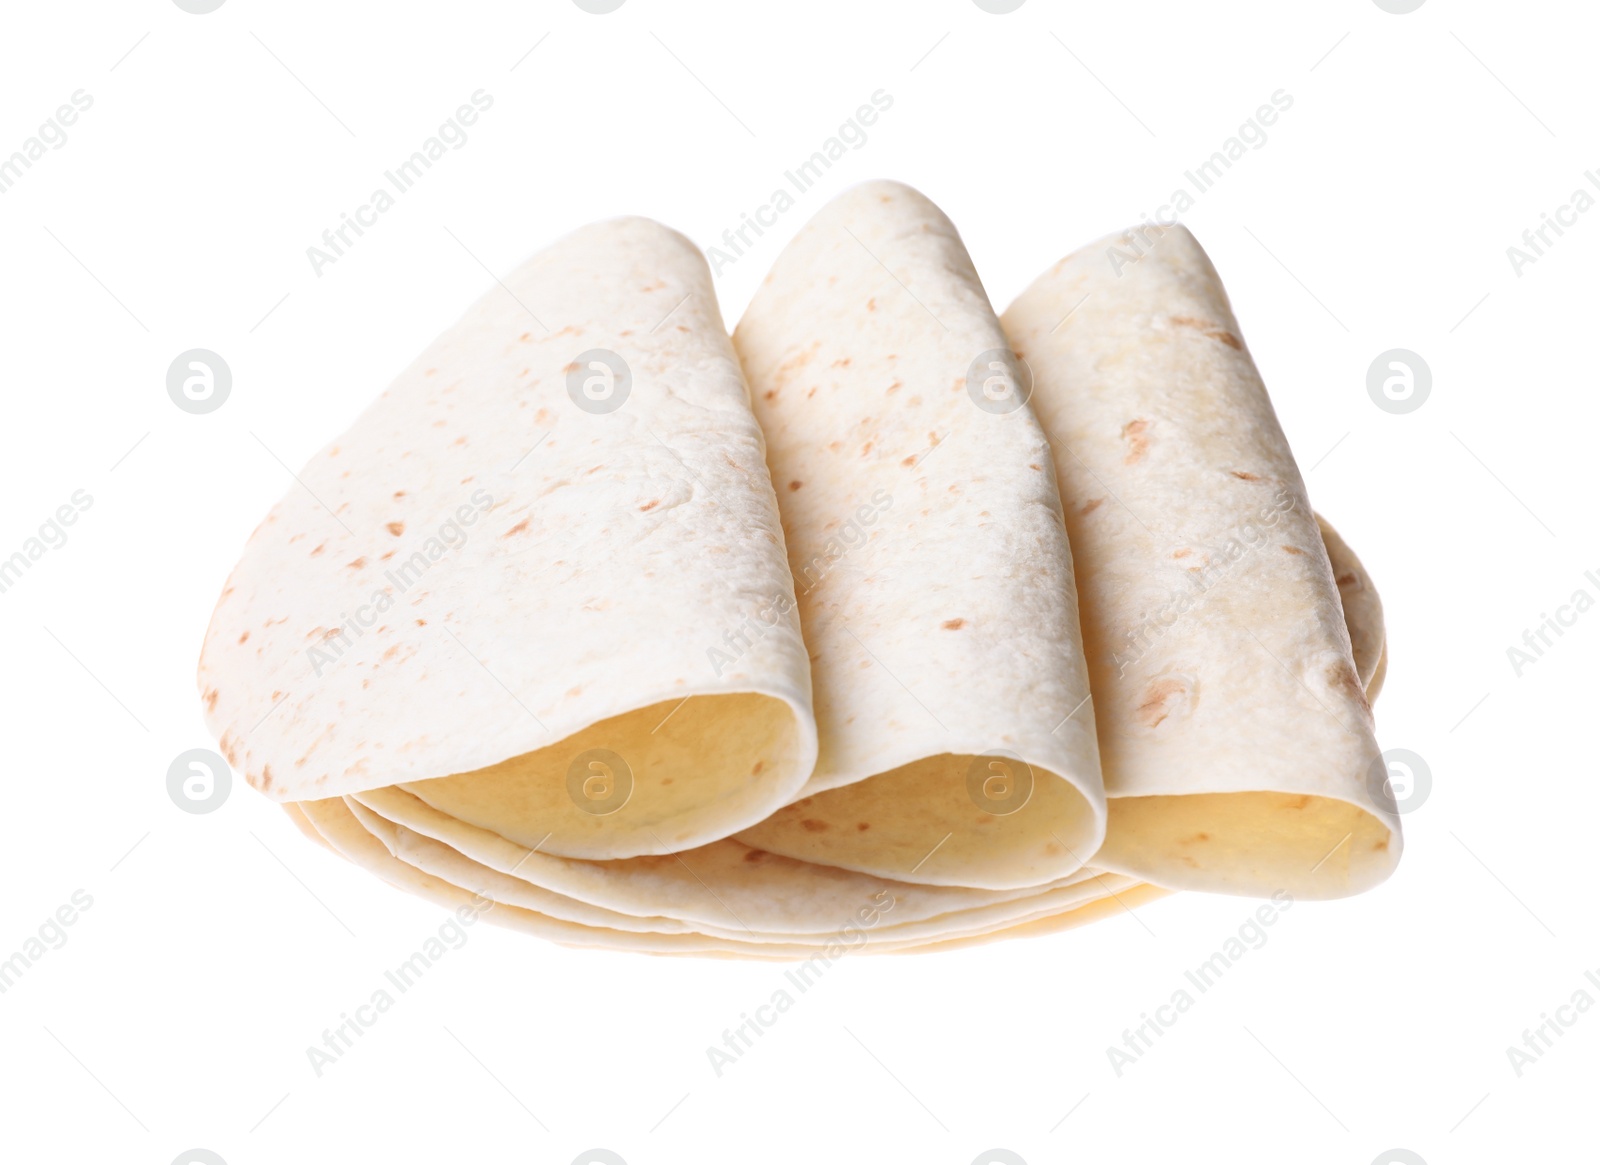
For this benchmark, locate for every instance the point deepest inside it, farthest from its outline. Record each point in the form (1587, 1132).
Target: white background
(1377, 215)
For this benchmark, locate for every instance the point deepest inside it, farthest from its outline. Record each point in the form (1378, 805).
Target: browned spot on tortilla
(812, 825)
(569, 367)
(1287, 549)
(1211, 331)
(386, 556)
(863, 826)
(872, 304)
(357, 564)
(893, 387)
(266, 776)
(867, 448)
(793, 485)
(1184, 553)
(1031, 465)
(321, 546)
(909, 461)
(759, 765)
(754, 855)
(1091, 505)
(243, 636)
(1134, 434)
(396, 528)
(953, 624)
(1154, 708)
(1195, 838)
(422, 622)
(211, 700)
(1341, 676)
(392, 652)
(1381, 844)
(1347, 579)
(1243, 476)
(842, 362)
(770, 394)
(525, 337)
(517, 529)
(650, 505)
(1299, 802)
(399, 493)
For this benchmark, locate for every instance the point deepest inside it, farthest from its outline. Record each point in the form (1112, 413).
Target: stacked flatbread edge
(884, 625)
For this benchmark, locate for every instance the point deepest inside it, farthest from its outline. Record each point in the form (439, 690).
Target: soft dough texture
(482, 577)
(1234, 727)
(930, 559)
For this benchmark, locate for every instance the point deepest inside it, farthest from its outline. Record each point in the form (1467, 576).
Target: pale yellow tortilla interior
(1239, 843)
(918, 823)
(698, 769)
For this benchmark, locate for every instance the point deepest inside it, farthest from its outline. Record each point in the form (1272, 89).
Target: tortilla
(930, 559)
(581, 705)
(344, 832)
(1363, 610)
(1234, 728)
(500, 596)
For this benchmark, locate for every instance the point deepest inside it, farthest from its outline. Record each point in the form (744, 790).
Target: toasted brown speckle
(953, 624)
(1287, 549)
(1134, 433)
(396, 528)
(1153, 710)
(812, 825)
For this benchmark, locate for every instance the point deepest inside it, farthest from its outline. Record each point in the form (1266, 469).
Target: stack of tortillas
(886, 624)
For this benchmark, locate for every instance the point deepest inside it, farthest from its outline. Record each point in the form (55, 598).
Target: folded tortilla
(540, 583)
(1234, 727)
(724, 891)
(930, 559)
(536, 637)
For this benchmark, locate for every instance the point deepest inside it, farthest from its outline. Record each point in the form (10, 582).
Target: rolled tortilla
(930, 560)
(504, 587)
(1234, 729)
